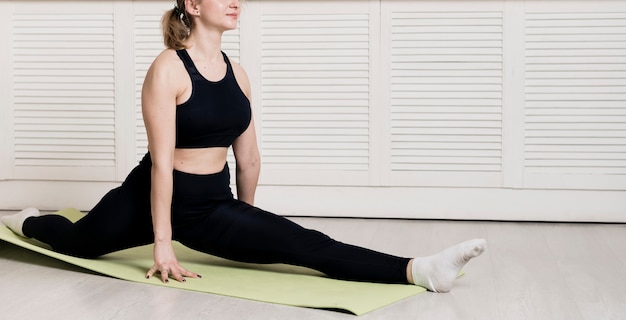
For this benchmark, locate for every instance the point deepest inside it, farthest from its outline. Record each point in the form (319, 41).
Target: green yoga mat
(275, 283)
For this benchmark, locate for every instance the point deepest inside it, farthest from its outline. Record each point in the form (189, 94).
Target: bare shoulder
(242, 78)
(167, 72)
(167, 61)
(166, 80)
(237, 68)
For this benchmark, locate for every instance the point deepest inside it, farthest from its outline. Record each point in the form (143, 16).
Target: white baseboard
(370, 202)
(446, 203)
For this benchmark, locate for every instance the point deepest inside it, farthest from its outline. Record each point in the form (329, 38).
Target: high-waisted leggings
(206, 217)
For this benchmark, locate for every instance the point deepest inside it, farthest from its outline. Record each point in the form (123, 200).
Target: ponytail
(176, 26)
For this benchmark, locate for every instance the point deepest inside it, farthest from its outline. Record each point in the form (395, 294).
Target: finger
(186, 273)
(150, 273)
(165, 276)
(178, 276)
(190, 274)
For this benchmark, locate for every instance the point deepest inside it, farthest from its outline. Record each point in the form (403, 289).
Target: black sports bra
(215, 114)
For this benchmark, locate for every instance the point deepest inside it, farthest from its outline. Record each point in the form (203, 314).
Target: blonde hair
(176, 26)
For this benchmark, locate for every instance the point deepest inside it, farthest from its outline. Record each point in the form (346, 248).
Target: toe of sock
(477, 246)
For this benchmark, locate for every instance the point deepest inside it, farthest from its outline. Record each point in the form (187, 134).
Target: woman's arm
(246, 149)
(160, 89)
(248, 164)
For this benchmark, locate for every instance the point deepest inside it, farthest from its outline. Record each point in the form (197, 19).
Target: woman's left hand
(167, 265)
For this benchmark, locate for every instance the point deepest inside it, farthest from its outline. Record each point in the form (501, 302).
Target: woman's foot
(16, 221)
(438, 272)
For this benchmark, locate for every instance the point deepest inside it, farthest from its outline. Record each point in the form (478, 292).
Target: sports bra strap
(193, 71)
(191, 68)
(229, 67)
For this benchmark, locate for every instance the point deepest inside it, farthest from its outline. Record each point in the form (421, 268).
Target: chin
(231, 26)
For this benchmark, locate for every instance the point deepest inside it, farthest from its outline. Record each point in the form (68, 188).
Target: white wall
(505, 110)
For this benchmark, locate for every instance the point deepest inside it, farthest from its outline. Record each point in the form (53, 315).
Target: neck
(206, 44)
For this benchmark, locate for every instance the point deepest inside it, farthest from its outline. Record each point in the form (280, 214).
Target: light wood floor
(530, 271)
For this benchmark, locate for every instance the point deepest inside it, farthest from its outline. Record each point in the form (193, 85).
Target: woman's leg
(238, 231)
(205, 217)
(120, 220)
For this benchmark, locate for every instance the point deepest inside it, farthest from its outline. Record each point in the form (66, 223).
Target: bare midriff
(201, 160)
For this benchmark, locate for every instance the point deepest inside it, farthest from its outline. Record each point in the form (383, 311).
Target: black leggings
(207, 218)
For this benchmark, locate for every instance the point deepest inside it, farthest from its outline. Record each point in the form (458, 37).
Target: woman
(195, 103)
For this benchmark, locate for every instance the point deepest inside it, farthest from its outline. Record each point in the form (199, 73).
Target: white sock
(438, 272)
(16, 221)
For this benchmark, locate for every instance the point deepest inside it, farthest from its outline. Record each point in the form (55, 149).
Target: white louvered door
(315, 96)
(63, 92)
(446, 101)
(575, 61)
